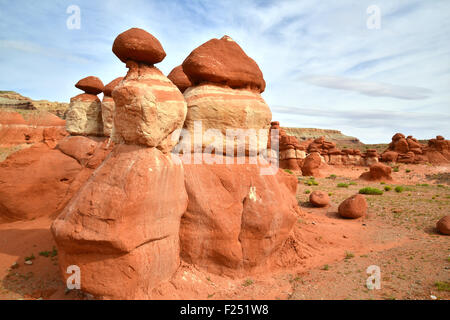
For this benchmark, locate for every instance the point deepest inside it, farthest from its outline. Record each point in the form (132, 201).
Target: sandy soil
(326, 257)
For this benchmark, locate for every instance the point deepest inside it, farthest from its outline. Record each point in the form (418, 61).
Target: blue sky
(323, 67)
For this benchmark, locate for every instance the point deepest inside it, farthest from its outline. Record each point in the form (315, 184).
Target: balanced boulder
(138, 45)
(90, 85)
(179, 78)
(222, 61)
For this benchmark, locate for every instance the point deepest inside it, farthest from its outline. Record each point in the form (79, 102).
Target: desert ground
(398, 234)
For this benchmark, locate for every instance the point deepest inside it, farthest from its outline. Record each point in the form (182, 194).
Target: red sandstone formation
(291, 152)
(409, 150)
(377, 172)
(319, 199)
(179, 78)
(353, 207)
(138, 45)
(222, 61)
(311, 165)
(46, 177)
(119, 225)
(236, 218)
(443, 225)
(108, 106)
(90, 85)
(40, 127)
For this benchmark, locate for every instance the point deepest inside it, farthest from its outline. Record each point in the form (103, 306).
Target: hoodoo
(119, 225)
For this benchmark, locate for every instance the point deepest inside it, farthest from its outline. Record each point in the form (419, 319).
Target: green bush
(332, 176)
(399, 189)
(352, 183)
(307, 191)
(396, 169)
(311, 182)
(288, 171)
(387, 188)
(370, 190)
(342, 185)
(382, 182)
(407, 170)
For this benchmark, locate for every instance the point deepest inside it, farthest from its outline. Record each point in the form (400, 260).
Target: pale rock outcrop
(108, 106)
(151, 108)
(220, 108)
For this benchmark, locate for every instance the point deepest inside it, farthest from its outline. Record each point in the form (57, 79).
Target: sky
(324, 63)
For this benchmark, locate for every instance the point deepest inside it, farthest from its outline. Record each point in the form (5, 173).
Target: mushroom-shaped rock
(179, 78)
(223, 61)
(90, 85)
(138, 45)
(443, 225)
(353, 207)
(377, 171)
(319, 199)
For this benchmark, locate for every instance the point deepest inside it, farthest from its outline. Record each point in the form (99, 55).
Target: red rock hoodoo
(377, 172)
(291, 152)
(410, 150)
(118, 225)
(84, 115)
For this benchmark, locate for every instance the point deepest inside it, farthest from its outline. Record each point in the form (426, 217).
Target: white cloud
(369, 88)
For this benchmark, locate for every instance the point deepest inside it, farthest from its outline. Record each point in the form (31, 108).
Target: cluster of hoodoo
(120, 226)
(291, 152)
(410, 150)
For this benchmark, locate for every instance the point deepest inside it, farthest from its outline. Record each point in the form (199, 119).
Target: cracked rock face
(236, 218)
(84, 116)
(150, 106)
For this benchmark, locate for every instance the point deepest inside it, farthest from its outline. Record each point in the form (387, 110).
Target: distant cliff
(336, 136)
(15, 101)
